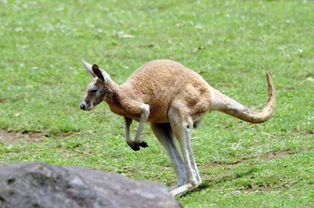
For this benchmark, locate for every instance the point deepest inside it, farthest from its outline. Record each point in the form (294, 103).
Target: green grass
(231, 43)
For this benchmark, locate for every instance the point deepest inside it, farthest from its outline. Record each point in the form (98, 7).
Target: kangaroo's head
(97, 90)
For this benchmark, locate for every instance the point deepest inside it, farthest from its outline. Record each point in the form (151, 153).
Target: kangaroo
(173, 99)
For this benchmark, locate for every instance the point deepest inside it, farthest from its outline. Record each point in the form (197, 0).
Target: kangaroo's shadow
(211, 183)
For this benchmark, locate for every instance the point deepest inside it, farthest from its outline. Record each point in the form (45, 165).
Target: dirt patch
(304, 132)
(258, 188)
(14, 136)
(268, 187)
(4, 100)
(268, 155)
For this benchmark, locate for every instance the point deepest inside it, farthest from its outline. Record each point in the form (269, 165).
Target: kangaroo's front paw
(143, 144)
(134, 146)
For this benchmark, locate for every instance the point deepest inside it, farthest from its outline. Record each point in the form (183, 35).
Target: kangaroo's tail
(229, 106)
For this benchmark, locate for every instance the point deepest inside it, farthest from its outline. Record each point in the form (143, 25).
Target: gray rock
(40, 185)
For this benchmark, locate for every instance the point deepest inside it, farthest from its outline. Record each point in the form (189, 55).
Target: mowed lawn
(230, 43)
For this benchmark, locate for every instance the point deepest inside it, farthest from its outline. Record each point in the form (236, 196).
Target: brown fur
(159, 83)
(173, 99)
(154, 84)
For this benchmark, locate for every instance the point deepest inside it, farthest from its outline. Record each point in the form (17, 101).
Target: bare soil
(14, 136)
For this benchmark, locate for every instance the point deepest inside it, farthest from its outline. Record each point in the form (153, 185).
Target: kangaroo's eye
(93, 91)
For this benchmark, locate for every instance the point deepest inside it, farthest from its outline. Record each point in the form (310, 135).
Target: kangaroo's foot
(135, 145)
(176, 186)
(180, 189)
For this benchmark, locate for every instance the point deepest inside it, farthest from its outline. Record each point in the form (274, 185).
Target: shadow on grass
(211, 183)
(274, 154)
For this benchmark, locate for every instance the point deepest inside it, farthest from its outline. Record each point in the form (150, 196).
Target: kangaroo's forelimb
(137, 142)
(128, 122)
(143, 119)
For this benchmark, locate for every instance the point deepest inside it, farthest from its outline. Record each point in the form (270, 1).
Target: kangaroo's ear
(95, 71)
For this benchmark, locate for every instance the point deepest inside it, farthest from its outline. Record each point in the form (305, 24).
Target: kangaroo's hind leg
(182, 125)
(164, 134)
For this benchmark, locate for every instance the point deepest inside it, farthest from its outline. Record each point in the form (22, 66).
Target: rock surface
(40, 185)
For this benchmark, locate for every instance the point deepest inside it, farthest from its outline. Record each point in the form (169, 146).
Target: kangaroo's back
(163, 77)
(157, 83)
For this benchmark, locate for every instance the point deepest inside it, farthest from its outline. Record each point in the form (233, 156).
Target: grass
(231, 43)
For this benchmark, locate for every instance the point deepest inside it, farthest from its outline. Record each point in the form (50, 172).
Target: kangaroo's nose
(82, 106)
